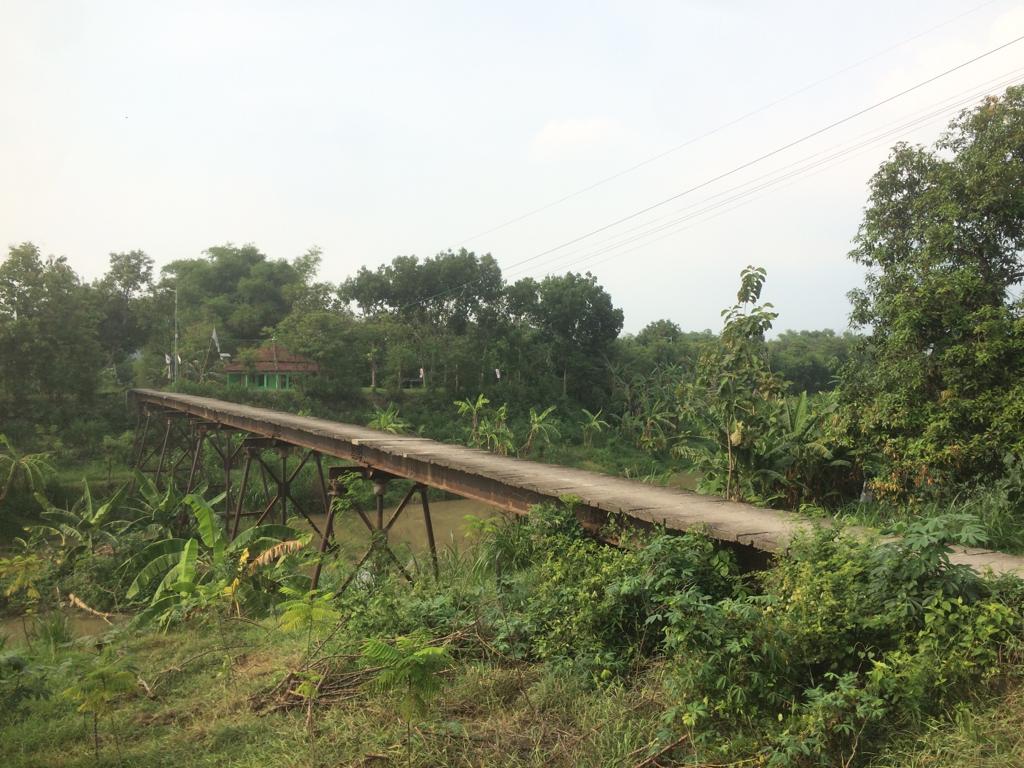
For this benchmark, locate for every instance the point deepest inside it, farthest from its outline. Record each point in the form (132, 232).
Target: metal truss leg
(429, 524)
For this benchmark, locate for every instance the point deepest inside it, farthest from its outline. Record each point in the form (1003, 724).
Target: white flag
(497, 373)
(216, 341)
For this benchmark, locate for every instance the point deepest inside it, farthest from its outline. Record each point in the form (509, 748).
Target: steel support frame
(379, 529)
(254, 448)
(378, 470)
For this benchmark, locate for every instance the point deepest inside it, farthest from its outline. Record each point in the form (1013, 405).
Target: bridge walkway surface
(512, 484)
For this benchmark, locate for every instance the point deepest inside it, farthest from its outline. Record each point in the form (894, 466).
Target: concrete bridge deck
(514, 484)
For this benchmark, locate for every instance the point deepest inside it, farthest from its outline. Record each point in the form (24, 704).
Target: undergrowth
(538, 645)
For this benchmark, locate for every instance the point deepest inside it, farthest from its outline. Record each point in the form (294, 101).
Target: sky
(372, 130)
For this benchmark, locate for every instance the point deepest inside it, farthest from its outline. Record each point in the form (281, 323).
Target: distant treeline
(63, 340)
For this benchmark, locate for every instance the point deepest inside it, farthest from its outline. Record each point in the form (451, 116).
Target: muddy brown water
(451, 522)
(18, 631)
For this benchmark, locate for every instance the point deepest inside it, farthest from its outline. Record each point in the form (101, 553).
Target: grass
(980, 736)
(490, 713)
(998, 519)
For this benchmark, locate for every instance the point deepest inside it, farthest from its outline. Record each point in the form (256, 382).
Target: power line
(738, 168)
(770, 154)
(749, 196)
(720, 128)
(677, 230)
(796, 169)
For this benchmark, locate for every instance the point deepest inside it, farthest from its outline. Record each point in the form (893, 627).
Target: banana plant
(26, 470)
(155, 509)
(86, 525)
(474, 409)
(541, 430)
(591, 425)
(184, 575)
(388, 420)
(495, 432)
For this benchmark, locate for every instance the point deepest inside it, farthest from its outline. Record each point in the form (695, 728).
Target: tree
(411, 668)
(810, 360)
(934, 391)
(541, 431)
(725, 409)
(97, 688)
(48, 340)
(238, 289)
(121, 292)
(577, 317)
(435, 304)
(332, 338)
(24, 471)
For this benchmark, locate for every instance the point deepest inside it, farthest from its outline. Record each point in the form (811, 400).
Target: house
(270, 367)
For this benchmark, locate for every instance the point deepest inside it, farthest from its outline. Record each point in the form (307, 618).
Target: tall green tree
(49, 347)
(577, 317)
(122, 296)
(238, 289)
(935, 389)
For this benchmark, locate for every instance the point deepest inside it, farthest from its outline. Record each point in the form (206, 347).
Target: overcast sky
(378, 129)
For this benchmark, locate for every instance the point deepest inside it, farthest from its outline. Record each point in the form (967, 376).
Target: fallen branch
(76, 601)
(178, 667)
(147, 689)
(653, 759)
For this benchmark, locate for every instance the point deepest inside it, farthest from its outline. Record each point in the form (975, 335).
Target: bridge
(173, 428)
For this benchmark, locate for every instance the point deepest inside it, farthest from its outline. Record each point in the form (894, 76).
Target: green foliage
(22, 471)
(605, 608)
(86, 524)
(591, 425)
(21, 576)
(185, 576)
(21, 680)
(748, 439)
(473, 409)
(98, 686)
(933, 394)
(305, 611)
(410, 668)
(810, 361)
(48, 332)
(849, 640)
(542, 431)
(387, 420)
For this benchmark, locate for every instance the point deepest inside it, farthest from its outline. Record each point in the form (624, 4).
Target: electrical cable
(717, 129)
(736, 169)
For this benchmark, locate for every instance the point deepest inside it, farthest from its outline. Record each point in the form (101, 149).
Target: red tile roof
(273, 359)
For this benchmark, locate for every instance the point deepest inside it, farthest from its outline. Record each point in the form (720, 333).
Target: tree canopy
(934, 389)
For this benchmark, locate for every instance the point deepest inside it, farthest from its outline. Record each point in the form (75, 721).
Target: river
(448, 518)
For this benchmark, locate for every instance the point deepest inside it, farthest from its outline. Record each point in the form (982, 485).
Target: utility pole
(175, 335)
(174, 361)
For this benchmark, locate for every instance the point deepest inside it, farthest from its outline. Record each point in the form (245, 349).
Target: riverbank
(538, 646)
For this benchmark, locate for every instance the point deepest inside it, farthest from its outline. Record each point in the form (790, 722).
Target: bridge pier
(379, 529)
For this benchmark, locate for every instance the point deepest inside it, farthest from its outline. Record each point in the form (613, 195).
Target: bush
(849, 640)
